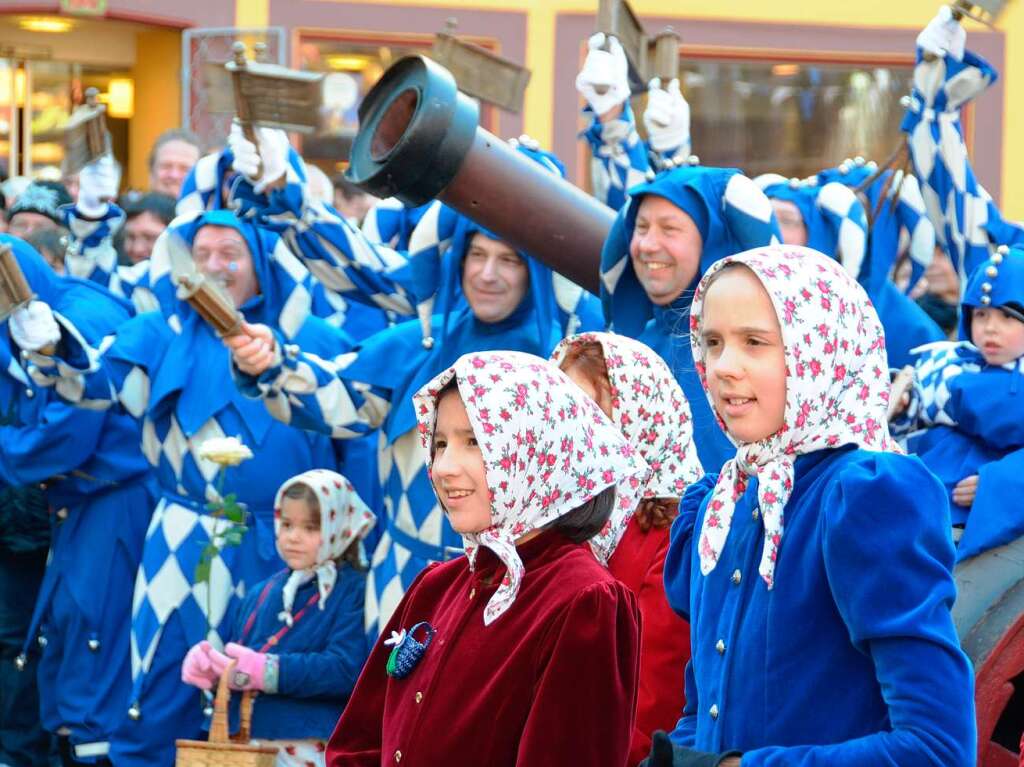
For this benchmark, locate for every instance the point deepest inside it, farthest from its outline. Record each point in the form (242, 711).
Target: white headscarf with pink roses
(837, 386)
(344, 518)
(651, 411)
(547, 449)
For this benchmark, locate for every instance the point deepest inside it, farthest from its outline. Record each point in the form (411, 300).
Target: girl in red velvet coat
(525, 652)
(634, 387)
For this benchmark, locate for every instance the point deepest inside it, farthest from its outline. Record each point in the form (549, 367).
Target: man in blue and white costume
(696, 216)
(946, 77)
(100, 488)
(672, 229)
(474, 293)
(829, 217)
(172, 373)
(965, 413)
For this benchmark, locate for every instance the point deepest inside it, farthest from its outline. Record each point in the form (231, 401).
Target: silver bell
(992, 272)
(94, 644)
(20, 662)
(134, 712)
(41, 640)
(1003, 250)
(650, 175)
(428, 342)
(693, 160)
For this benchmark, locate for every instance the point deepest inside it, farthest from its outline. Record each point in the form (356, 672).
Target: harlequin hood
(731, 213)
(835, 219)
(998, 282)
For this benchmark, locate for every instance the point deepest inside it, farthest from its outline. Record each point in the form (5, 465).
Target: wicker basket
(221, 750)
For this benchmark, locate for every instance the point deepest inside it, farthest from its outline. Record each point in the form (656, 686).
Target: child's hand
(899, 392)
(965, 491)
(197, 668)
(254, 349)
(250, 671)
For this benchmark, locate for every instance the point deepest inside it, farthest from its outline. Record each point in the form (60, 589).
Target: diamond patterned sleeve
(619, 159)
(312, 394)
(956, 202)
(87, 376)
(340, 256)
(91, 254)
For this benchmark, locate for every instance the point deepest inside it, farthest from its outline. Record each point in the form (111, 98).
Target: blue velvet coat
(851, 660)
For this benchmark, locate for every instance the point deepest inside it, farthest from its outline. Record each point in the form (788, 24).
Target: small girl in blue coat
(815, 569)
(967, 402)
(298, 637)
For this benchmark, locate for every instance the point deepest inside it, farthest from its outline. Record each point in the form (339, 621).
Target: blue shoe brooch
(407, 650)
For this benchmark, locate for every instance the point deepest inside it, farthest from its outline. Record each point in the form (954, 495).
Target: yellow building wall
(911, 14)
(157, 97)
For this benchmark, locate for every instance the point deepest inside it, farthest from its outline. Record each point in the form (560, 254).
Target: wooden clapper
(480, 73)
(204, 295)
(86, 137)
(14, 288)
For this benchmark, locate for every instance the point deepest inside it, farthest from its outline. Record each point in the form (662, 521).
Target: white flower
(396, 639)
(226, 451)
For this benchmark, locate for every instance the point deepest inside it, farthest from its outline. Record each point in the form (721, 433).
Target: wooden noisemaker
(216, 309)
(479, 72)
(14, 289)
(86, 137)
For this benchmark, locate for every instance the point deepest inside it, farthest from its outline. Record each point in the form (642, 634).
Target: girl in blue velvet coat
(815, 569)
(298, 637)
(967, 406)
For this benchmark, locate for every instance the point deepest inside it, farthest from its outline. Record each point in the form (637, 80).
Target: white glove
(667, 117)
(33, 327)
(943, 35)
(97, 185)
(272, 152)
(604, 79)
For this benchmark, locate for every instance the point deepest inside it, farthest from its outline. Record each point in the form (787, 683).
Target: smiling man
(670, 231)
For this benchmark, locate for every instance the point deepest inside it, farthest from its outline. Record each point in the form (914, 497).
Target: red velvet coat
(552, 682)
(638, 562)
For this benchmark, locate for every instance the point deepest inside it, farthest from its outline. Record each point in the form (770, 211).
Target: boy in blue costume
(100, 490)
(968, 397)
(818, 522)
(829, 217)
(149, 370)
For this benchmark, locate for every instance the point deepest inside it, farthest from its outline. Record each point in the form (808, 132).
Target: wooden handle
(210, 304)
(219, 725)
(242, 110)
(13, 285)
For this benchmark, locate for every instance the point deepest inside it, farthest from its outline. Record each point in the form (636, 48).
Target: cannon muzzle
(420, 138)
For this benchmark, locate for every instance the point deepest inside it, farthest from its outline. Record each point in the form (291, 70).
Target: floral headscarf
(343, 518)
(651, 410)
(837, 386)
(547, 449)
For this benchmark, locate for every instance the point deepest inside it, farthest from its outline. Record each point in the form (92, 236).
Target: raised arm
(334, 251)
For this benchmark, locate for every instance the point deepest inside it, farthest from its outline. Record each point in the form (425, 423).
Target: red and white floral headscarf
(651, 410)
(343, 518)
(837, 386)
(547, 449)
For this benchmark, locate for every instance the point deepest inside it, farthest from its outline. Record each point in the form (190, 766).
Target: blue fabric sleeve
(59, 440)
(685, 733)
(888, 558)
(994, 519)
(678, 557)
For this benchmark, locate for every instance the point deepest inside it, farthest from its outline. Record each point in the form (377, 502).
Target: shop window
(793, 118)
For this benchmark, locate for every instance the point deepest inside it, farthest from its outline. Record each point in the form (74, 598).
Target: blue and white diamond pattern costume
(148, 369)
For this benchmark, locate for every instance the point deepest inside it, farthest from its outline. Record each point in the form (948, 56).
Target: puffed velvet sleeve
(585, 694)
(356, 740)
(888, 559)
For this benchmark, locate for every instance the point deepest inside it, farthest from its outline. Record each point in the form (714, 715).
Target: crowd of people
(433, 503)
